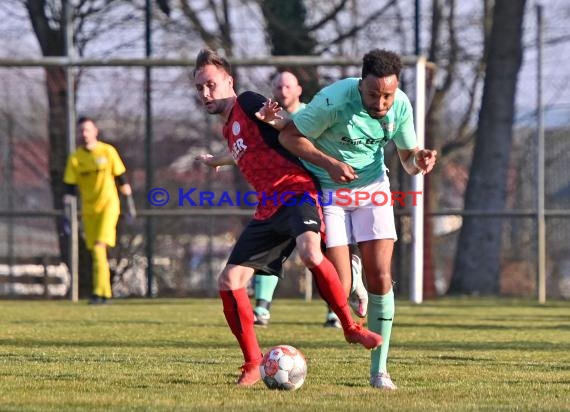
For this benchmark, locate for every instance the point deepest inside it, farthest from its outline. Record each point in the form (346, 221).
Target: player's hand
(208, 160)
(126, 190)
(425, 160)
(341, 172)
(269, 112)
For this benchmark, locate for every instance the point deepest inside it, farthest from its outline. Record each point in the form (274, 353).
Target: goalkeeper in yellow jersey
(96, 169)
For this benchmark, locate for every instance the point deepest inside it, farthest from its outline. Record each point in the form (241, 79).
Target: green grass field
(447, 355)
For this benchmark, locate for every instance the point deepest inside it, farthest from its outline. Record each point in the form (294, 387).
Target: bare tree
(280, 17)
(477, 262)
(43, 17)
(47, 22)
(339, 27)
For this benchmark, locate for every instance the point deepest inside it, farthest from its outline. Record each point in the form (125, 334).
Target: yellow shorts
(101, 227)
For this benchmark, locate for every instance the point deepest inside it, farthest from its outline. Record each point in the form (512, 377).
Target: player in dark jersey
(287, 214)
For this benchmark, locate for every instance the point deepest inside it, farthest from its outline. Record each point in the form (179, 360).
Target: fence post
(417, 272)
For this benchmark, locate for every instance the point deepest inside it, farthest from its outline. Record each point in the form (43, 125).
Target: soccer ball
(283, 367)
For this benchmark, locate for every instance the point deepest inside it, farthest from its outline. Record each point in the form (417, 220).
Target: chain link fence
(191, 243)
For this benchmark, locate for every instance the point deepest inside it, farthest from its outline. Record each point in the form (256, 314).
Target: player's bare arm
(418, 160)
(300, 146)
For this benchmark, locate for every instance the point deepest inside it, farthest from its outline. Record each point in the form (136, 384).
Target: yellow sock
(101, 272)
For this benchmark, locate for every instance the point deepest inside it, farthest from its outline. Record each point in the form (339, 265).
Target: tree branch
(47, 37)
(356, 29)
(209, 38)
(331, 16)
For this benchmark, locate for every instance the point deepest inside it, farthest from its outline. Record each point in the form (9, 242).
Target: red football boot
(250, 374)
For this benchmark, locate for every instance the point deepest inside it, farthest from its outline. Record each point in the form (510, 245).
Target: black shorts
(265, 244)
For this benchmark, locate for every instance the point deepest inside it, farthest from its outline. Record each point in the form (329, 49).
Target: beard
(375, 114)
(214, 108)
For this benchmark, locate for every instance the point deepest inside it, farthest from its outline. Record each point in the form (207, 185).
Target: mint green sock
(381, 309)
(264, 288)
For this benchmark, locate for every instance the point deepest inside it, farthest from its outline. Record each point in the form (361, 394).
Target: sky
(555, 64)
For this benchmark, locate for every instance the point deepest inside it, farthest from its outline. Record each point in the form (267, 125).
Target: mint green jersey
(301, 107)
(337, 124)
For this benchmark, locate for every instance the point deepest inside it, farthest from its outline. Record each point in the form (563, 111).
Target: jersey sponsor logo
(85, 166)
(345, 140)
(341, 197)
(101, 160)
(236, 128)
(238, 148)
(310, 222)
(365, 139)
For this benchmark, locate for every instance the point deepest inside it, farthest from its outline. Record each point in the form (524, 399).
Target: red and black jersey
(275, 174)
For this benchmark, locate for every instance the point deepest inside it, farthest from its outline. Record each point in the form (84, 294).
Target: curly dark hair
(209, 57)
(381, 63)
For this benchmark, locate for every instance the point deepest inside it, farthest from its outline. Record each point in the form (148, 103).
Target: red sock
(239, 315)
(331, 290)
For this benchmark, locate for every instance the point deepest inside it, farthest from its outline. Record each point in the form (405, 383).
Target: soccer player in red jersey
(287, 213)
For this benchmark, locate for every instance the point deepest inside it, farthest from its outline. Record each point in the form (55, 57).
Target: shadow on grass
(458, 302)
(461, 359)
(526, 345)
(187, 301)
(109, 343)
(483, 326)
(99, 322)
(307, 341)
(83, 322)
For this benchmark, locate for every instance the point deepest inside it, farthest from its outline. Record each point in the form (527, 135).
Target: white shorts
(359, 214)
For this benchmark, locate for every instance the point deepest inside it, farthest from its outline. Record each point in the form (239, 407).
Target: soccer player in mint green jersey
(340, 135)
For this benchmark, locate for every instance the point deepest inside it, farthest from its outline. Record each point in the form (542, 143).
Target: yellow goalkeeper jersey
(94, 172)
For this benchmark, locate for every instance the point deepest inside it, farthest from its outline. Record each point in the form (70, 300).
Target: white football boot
(358, 299)
(382, 381)
(332, 321)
